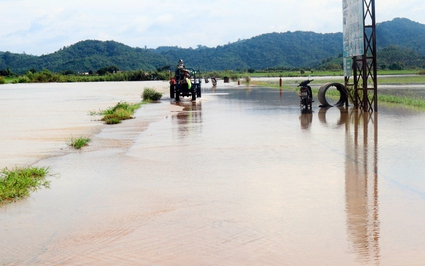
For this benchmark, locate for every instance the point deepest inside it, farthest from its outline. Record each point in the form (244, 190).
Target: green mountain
(400, 41)
(85, 56)
(401, 32)
(290, 49)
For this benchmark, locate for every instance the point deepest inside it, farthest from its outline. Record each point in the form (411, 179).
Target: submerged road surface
(239, 177)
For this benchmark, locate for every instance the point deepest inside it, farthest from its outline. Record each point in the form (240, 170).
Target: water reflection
(343, 118)
(361, 185)
(306, 118)
(189, 120)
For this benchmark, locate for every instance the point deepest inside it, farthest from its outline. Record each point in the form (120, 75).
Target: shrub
(111, 119)
(118, 115)
(234, 77)
(123, 114)
(121, 111)
(2, 81)
(151, 95)
(23, 79)
(43, 76)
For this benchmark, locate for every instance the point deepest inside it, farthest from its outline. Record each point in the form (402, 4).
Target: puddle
(239, 177)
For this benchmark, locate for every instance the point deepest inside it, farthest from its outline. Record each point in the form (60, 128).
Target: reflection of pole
(361, 186)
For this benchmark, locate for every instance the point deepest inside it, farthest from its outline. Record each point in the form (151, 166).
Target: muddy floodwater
(239, 177)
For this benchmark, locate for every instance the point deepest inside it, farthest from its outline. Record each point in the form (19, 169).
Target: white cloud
(44, 26)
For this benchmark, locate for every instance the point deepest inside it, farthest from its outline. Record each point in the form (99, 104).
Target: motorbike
(306, 97)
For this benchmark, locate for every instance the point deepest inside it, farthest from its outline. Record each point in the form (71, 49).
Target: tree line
(397, 49)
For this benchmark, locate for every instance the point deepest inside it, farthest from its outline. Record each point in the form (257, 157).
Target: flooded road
(240, 177)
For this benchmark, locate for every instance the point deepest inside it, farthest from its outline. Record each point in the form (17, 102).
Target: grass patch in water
(123, 110)
(79, 142)
(18, 183)
(151, 95)
(402, 100)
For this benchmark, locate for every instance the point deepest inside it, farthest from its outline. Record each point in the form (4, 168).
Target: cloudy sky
(44, 26)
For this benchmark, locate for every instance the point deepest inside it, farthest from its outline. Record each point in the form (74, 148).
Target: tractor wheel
(172, 91)
(198, 91)
(193, 93)
(177, 94)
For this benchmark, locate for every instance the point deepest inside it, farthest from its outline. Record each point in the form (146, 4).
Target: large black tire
(172, 91)
(343, 98)
(193, 93)
(177, 93)
(198, 91)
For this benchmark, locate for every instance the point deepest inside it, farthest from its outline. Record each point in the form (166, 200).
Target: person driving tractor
(182, 75)
(180, 72)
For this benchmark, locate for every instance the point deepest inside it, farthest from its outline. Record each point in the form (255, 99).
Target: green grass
(402, 100)
(121, 111)
(409, 101)
(151, 95)
(296, 74)
(18, 183)
(402, 80)
(47, 76)
(79, 142)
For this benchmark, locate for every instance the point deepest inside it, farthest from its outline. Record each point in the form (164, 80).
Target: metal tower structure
(365, 91)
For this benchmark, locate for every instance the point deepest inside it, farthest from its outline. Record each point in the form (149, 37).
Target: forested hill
(289, 49)
(85, 56)
(401, 32)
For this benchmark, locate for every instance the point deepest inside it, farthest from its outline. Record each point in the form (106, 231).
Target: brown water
(240, 177)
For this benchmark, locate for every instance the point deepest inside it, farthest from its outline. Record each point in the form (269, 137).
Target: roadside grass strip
(18, 183)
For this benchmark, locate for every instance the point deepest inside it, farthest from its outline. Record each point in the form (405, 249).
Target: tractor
(185, 83)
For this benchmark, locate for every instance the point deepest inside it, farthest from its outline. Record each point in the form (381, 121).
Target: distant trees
(110, 69)
(164, 68)
(6, 72)
(397, 58)
(68, 72)
(400, 45)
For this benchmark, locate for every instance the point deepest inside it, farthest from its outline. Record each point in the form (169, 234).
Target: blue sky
(45, 26)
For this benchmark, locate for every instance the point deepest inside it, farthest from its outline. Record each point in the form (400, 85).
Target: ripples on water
(240, 177)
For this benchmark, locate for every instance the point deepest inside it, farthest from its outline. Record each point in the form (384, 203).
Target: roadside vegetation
(151, 95)
(406, 100)
(114, 74)
(123, 110)
(46, 76)
(79, 142)
(18, 183)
